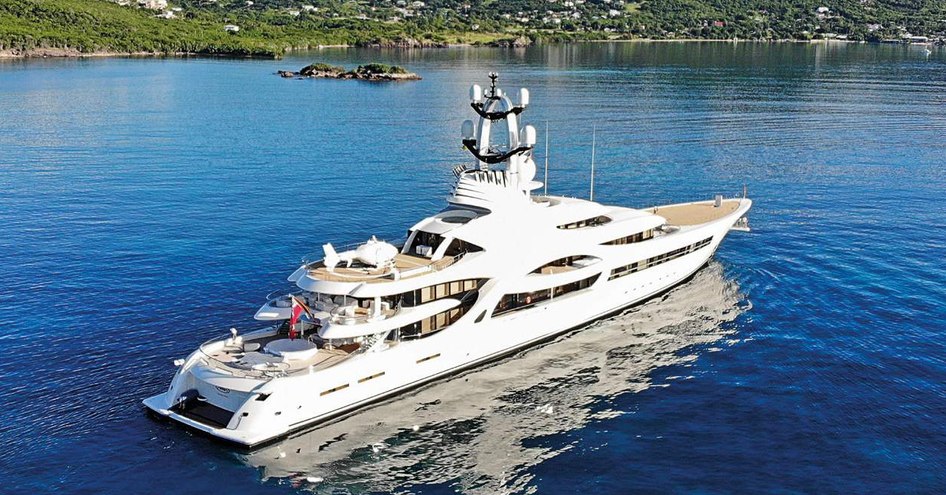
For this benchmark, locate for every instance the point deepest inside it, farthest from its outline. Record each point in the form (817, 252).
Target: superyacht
(500, 268)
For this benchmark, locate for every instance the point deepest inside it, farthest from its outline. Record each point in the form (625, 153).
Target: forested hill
(269, 27)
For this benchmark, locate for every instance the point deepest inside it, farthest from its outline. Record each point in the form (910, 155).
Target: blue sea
(147, 205)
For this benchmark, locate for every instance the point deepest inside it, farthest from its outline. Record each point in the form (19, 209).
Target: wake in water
(473, 431)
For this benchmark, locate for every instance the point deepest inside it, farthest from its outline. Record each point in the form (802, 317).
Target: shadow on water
(480, 432)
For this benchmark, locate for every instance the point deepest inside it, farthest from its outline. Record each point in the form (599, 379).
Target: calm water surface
(146, 205)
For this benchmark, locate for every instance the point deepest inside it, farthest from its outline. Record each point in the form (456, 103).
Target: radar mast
(493, 109)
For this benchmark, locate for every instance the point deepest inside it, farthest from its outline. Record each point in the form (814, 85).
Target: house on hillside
(153, 4)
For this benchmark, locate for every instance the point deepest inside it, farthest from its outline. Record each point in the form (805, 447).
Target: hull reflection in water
(470, 430)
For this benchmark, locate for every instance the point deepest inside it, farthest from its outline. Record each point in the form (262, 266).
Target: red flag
(296, 311)
(297, 308)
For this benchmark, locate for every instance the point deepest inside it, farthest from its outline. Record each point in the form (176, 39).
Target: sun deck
(250, 358)
(696, 213)
(405, 266)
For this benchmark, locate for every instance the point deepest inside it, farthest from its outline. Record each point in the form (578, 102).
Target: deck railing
(388, 274)
(319, 256)
(341, 316)
(275, 369)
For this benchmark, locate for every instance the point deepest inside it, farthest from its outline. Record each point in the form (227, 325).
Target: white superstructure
(481, 426)
(498, 270)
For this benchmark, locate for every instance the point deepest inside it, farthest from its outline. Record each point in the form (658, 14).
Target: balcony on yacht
(566, 264)
(354, 314)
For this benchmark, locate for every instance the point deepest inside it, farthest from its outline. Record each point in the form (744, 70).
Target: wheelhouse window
(459, 246)
(524, 300)
(424, 243)
(630, 239)
(637, 266)
(588, 222)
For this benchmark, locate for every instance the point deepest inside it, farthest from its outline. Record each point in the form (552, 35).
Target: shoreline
(720, 40)
(17, 54)
(68, 53)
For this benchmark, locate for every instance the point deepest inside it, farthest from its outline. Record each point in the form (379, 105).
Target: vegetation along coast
(271, 28)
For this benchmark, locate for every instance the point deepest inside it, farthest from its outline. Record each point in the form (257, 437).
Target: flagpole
(546, 193)
(594, 133)
(292, 314)
(302, 327)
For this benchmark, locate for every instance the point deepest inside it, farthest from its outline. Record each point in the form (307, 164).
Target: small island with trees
(367, 72)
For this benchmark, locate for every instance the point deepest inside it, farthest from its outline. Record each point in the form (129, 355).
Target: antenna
(546, 158)
(594, 132)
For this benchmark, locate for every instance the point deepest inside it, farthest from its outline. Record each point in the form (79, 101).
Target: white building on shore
(153, 4)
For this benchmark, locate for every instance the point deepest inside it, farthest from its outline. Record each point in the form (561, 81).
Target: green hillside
(270, 27)
(861, 20)
(89, 26)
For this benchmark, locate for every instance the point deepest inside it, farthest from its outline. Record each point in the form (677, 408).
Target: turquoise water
(146, 205)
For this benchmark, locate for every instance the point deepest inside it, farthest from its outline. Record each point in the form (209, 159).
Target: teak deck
(695, 214)
(243, 361)
(406, 264)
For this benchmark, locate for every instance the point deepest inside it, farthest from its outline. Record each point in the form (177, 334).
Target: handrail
(316, 256)
(453, 259)
(339, 316)
(315, 300)
(265, 374)
(471, 292)
(262, 374)
(392, 272)
(279, 293)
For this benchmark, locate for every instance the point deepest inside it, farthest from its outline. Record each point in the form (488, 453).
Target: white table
(292, 350)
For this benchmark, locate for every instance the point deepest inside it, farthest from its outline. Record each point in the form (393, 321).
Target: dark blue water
(146, 205)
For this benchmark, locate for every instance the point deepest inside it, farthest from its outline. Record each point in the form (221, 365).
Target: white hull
(303, 400)
(573, 381)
